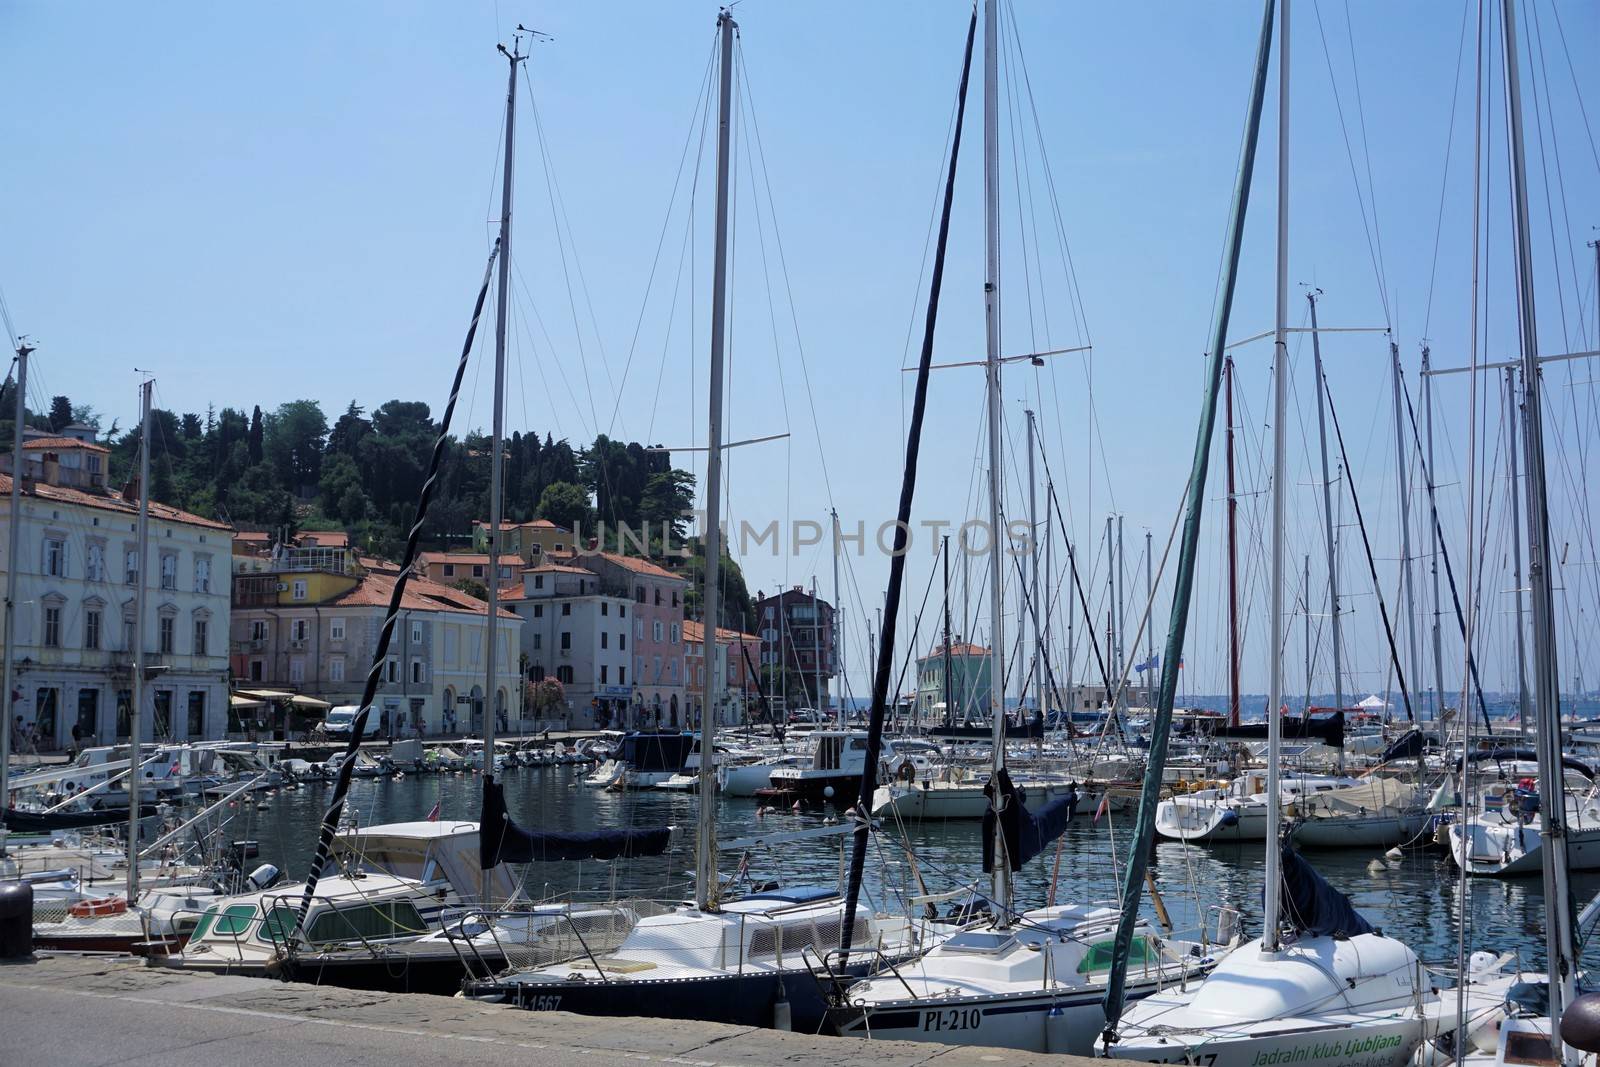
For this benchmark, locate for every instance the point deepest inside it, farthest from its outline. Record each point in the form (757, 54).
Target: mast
(1280, 418)
(897, 563)
(1524, 707)
(1330, 544)
(1560, 938)
(136, 713)
(991, 308)
(1438, 545)
(1403, 485)
(949, 708)
(497, 442)
(1150, 631)
(1138, 861)
(705, 848)
(1233, 554)
(1033, 585)
(1122, 622)
(838, 697)
(13, 569)
(816, 648)
(1307, 621)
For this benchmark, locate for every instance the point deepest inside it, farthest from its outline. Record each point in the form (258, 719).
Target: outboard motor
(263, 876)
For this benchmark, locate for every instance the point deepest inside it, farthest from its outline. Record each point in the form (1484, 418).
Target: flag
(1105, 802)
(1180, 661)
(1150, 664)
(433, 816)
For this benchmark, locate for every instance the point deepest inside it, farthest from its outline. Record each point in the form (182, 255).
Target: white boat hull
(1352, 831)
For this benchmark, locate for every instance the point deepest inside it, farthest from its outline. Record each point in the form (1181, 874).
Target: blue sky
(296, 202)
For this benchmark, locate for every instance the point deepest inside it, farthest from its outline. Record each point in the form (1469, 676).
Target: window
(622, 640)
(416, 672)
(658, 598)
(672, 670)
(297, 629)
(257, 670)
(95, 562)
(449, 570)
(197, 714)
(55, 557)
(391, 670)
(566, 640)
(605, 609)
(537, 642)
(233, 922)
(658, 668)
(367, 922)
(604, 637)
(277, 926)
(91, 628)
(538, 611)
(674, 633)
(130, 565)
(336, 669)
(298, 591)
(297, 668)
(258, 629)
(622, 676)
(638, 593)
(202, 574)
(477, 570)
(416, 633)
(169, 570)
(622, 610)
(603, 674)
(166, 632)
(674, 598)
(656, 630)
(200, 635)
(52, 626)
(564, 675)
(538, 581)
(336, 629)
(566, 609)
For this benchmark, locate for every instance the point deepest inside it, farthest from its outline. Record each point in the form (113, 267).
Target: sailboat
(1032, 980)
(740, 961)
(1320, 985)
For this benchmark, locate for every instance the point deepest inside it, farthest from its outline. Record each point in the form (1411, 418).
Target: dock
(86, 1009)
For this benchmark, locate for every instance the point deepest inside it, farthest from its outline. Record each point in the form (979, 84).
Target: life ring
(88, 909)
(907, 772)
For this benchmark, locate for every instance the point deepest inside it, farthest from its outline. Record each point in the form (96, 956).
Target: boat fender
(1230, 817)
(907, 772)
(1580, 1023)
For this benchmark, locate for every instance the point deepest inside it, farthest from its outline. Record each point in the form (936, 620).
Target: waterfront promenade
(95, 1010)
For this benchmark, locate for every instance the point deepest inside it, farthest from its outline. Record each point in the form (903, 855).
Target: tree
(294, 440)
(565, 504)
(348, 433)
(668, 495)
(60, 413)
(473, 588)
(255, 435)
(546, 694)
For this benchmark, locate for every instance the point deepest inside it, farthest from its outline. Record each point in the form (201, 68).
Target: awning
(237, 701)
(309, 703)
(1373, 701)
(265, 694)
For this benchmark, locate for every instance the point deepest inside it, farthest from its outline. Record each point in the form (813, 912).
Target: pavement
(102, 1010)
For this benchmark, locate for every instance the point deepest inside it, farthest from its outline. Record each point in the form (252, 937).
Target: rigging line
(1576, 91)
(1016, 179)
(1444, 178)
(783, 266)
(666, 222)
(566, 274)
(1027, 178)
(1355, 178)
(1366, 151)
(1540, 112)
(1383, 609)
(533, 306)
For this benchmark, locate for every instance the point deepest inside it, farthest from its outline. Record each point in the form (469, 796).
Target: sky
(292, 203)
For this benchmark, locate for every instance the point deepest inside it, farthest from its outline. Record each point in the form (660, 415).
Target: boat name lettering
(952, 1019)
(1325, 1050)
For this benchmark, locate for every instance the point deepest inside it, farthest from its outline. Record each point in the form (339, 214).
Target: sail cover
(34, 822)
(500, 840)
(1028, 833)
(1329, 729)
(1313, 907)
(1408, 745)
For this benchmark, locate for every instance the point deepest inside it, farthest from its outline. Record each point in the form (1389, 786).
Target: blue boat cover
(34, 822)
(1408, 745)
(1327, 728)
(1312, 906)
(798, 894)
(1027, 833)
(656, 751)
(500, 840)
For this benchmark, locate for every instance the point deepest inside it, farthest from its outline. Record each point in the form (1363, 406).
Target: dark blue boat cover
(1327, 728)
(500, 840)
(1027, 833)
(1312, 906)
(33, 822)
(656, 751)
(1407, 746)
(1524, 754)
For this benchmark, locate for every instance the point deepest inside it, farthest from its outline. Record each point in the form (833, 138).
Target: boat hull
(440, 974)
(1360, 832)
(1388, 1044)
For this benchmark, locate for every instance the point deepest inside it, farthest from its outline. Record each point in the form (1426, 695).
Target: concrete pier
(83, 1010)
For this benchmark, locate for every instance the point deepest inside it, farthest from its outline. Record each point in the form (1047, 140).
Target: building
(970, 671)
(529, 541)
(306, 619)
(656, 596)
(448, 568)
(577, 634)
(73, 585)
(798, 650)
(740, 693)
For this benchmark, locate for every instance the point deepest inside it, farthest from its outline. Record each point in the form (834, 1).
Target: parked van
(341, 720)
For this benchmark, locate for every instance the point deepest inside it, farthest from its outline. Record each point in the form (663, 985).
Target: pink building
(658, 674)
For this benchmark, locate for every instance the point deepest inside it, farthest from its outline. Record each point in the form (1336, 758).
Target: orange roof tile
(480, 559)
(377, 586)
(61, 443)
(556, 568)
(959, 649)
(325, 538)
(104, 501)
(637, 564)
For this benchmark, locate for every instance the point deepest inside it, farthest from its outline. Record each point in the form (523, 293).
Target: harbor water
(1416, 899)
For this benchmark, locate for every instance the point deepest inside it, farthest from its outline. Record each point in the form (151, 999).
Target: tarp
(1027, 833)
(1408, 745)
(237, 701)
(33, 822)
(309, 703)
(656, 751)
(1329, 729)
(1312, 906)
(1373, 701)
(500, 840)
(1371, 797)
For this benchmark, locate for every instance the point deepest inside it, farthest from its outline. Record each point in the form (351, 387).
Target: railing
(491, 943)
